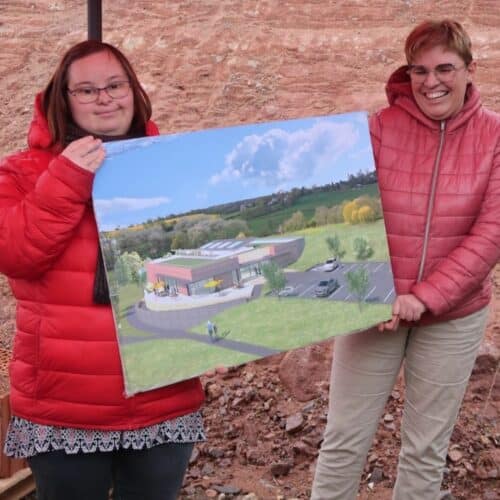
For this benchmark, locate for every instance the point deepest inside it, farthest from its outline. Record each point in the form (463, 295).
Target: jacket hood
(39, 136)
(399, 93)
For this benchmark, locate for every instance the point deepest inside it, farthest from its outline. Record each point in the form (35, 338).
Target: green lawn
(316, 249)
(291, 322)
(155, 363)
(280, 324)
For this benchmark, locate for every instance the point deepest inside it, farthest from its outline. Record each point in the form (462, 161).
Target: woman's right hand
(87, 152)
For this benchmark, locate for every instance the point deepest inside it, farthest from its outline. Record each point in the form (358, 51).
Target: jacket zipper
(432, 197)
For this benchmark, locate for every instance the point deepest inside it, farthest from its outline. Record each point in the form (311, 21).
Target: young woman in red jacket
(437, 153)
(70, 417)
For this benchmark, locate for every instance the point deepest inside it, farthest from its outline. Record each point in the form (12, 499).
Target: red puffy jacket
(66, 368)
(440, 189)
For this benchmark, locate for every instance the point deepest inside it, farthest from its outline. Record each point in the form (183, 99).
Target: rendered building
(222, 264)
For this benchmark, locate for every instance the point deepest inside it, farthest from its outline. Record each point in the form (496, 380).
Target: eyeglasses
(445, 73)
(115, 90)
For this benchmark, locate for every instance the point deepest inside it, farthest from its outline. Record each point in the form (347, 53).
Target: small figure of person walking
(211, 330)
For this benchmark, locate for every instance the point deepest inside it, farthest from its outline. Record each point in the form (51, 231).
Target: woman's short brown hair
(446, 33)
(55, 96)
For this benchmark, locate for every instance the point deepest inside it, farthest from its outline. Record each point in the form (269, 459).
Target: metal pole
(94, 19)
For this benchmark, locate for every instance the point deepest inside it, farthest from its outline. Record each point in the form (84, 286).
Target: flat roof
(186, 261)
(278, 239)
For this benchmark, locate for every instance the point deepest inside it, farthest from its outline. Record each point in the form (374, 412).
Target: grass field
(155, 362)
(291, 322)
(307, 204)
(316, 249)
(280, 324)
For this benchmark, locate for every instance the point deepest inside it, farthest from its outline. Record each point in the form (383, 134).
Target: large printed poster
(226, 245)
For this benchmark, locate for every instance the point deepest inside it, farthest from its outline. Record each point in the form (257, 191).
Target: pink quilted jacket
(440, 189)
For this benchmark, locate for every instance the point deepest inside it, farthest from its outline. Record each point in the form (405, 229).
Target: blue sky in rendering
(153, 177)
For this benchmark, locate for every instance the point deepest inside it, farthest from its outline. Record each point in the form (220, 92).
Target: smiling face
(105, 116)
(439, 100)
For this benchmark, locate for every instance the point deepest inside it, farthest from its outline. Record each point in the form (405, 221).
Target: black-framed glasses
(87, 93)
(443, 72)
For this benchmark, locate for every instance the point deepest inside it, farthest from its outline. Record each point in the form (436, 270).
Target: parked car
(331, 264)
(287, 291)
(326, 287)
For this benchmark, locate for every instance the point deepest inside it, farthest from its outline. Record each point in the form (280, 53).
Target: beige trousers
(438, 361)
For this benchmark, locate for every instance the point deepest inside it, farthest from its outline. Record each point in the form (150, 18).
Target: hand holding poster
(227, 245)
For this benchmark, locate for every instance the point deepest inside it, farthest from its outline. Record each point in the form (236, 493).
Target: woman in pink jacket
(437, 153)
(70, 417)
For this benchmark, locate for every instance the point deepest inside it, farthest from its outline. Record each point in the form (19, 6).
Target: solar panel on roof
(212, 244)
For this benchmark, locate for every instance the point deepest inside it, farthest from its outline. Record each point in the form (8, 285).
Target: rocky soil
(264, 441)
(208, 63)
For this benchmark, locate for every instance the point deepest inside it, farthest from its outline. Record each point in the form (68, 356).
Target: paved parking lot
(381, 284)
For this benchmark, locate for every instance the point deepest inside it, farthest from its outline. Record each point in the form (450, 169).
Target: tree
(335, 247)
(129, 269)
(123, 273)
(366, 214)
(109, 252)
(295, 222)
(135, 264)
(358, 282)
(349, 211)
(335, 215)
(321, 215)
(373, 203)
(362, 249)
(142, 278)
(275, 276)
(180, 240)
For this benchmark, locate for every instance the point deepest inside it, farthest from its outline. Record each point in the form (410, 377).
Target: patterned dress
(26, 439)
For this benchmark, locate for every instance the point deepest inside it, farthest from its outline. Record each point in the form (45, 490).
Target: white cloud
(115, 205)
(281, 159)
